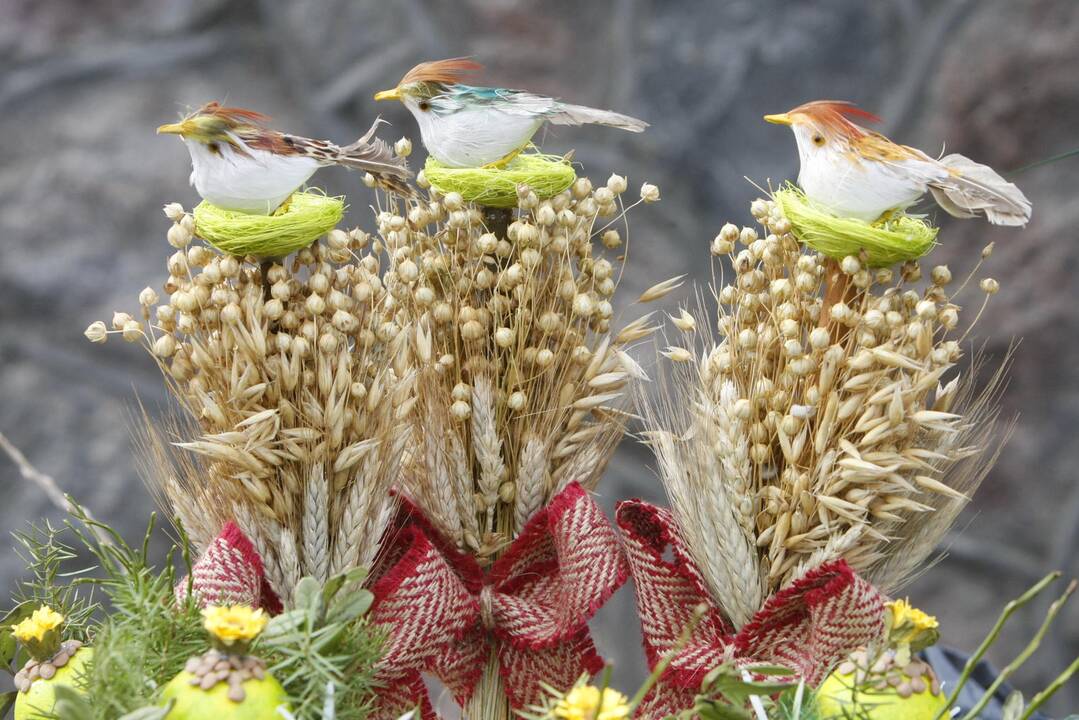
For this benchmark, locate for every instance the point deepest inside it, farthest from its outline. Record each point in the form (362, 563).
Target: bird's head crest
(429, 78)
(829, 116)
(214, 121)
(443, 72)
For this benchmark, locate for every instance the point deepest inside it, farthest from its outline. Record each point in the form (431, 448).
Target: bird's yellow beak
(394, 94)
(780, 119)
(179, 128)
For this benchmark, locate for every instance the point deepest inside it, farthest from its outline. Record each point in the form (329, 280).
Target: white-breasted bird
(467, 126)
(240, 164)
(861, 174)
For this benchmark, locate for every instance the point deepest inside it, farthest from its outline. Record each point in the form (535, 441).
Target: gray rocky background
(83, 177)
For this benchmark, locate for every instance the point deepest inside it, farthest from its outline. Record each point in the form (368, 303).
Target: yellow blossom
(581, 703)
(34, 627)
(233, 623)
(904, 613)
(910, 626)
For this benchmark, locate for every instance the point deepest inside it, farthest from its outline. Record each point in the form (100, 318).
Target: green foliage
(1015, 706)
(48, 559)
(141, 638)
(323, 650)
(728, 692)
(146, 637)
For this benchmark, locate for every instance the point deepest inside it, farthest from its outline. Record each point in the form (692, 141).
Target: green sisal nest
(546, 175)
(897, 239)
(307, 217)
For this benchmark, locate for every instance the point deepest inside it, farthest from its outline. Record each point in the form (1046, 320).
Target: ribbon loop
(807, 627)
(229, 572)
(445, 614)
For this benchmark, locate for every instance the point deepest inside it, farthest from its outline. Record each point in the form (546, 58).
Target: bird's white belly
(255, 184)
(866, 189)
(475, 137)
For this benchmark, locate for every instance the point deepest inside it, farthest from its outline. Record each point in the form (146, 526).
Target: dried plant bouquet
(293, 380)
(465, 360)
(825, 417)
(521, 384)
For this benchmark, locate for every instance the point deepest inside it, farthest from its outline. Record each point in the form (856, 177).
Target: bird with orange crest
(465, 126)
(858, 173)
(240, 164)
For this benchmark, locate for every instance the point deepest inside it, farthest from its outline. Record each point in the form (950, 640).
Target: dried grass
(293, 385)
(520, 386)
(789, 439)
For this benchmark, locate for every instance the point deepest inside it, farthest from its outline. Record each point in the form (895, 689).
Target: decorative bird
(861, 174)
(240, 164)
(466, 126)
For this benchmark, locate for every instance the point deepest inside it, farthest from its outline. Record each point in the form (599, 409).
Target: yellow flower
(903, 613)
(910, 626)
(34, 627)
(233, 623)
(581, 703)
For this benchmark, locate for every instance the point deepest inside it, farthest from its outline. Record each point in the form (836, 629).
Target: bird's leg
(886, 217)
(264, 267)
(503, 161)
(283, 207)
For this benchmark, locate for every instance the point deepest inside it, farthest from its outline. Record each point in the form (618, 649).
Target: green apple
(41, 697)
(261, 700)
(884, 691)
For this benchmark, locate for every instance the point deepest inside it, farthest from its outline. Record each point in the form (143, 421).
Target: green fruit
(262, 698)
(41, 697)
(838, 698)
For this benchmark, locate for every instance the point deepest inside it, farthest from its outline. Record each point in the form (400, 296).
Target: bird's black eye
(424, 105)
(214, 148)
(818, 140)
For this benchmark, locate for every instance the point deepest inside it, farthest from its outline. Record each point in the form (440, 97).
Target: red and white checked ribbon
(446, 615)
(229, 572)
(807, 627)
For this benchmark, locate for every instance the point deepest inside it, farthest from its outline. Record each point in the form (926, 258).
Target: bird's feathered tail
(374, 155)
(368, 153)
(971, 189)
(581, 115)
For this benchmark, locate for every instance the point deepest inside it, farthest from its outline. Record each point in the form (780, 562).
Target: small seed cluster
(826, 420)
(215, 667)
(294, 380)
(520, 381)
(874, 676)
(45, 669)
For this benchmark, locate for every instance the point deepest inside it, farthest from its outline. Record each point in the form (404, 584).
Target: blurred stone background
(83, 84)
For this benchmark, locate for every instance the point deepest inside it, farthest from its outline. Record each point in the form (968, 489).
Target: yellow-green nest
(896, 239)
(546, 175)
(306, 217)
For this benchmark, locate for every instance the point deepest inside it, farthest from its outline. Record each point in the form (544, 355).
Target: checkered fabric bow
(807, 627)
(229, 572)
(446, 615)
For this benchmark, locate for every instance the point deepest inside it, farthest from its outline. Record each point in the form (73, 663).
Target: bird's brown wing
(368, 153)
(874, 146)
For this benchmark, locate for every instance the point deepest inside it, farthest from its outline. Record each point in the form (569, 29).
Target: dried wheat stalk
(293, 391)
(792, 439)
(519, 384)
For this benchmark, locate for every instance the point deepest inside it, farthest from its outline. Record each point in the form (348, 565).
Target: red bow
(807, 627)
(229, 572)
(445, 614)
